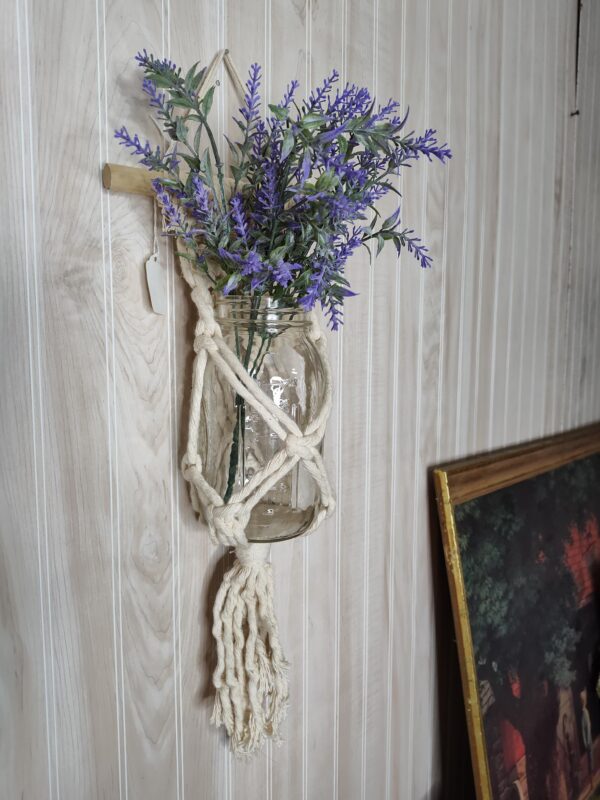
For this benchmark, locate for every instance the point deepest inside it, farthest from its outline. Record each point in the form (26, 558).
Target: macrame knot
(298, 446)
(189, 463)
(252, 554)
(205, 342)
(228, 522)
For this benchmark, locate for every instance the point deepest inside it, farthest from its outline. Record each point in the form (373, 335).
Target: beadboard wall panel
(106, 577)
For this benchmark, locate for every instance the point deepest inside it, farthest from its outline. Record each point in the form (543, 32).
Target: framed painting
(521, 536)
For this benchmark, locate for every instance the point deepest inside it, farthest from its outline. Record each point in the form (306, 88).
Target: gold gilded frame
(460, 481)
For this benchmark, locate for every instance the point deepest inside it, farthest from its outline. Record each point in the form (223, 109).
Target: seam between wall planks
(34, 387)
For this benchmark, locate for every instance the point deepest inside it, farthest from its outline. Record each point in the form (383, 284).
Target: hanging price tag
(157, 284)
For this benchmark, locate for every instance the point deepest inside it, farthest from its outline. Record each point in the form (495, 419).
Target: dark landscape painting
(530, 557)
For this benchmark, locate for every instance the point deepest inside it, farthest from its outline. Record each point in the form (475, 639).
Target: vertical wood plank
(381, 312)
(584, 210)
(325, 52)
(592, 404)
(67, 249)
(142, 393)
(354, 451)
(25, 753)
(564, 191)
(505, 266)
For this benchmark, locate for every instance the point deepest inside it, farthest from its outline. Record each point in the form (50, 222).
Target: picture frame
(495, 485)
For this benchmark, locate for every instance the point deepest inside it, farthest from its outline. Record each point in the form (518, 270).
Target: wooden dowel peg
(134, 180)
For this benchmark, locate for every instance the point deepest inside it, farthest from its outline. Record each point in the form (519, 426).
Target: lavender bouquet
(276, 233)
(304, 185)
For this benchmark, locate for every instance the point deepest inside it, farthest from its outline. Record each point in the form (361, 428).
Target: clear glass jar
(234, 441)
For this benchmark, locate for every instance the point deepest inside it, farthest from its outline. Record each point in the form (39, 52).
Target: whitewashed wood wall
(104, 572)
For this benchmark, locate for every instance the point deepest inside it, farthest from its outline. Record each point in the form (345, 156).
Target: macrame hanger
(250, 677)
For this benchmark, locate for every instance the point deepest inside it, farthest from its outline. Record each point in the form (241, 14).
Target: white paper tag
(157, 284)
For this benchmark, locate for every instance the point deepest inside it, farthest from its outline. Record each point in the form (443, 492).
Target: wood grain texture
(107, 577)
(71, 385)
(25, 757)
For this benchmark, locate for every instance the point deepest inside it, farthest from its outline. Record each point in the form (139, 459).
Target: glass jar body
(235, 442)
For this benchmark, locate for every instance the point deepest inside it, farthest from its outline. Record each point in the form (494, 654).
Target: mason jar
(273, 344)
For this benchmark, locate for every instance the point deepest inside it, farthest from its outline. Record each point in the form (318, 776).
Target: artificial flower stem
(240, 404)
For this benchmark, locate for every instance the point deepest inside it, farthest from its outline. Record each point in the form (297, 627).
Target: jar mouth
(236, 309)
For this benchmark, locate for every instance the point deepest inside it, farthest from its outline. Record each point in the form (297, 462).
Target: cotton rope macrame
(250, 677)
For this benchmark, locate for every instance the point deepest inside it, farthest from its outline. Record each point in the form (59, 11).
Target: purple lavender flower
(251, 109)
(353, 101)
(162, 66)
(283, 272)
(134, 143)
(289, 94)
(239, 218)
(252, 265)
(315, 288)
(174, 220)
(157, 99)
(426, 145)
(201, 200)
(385, 112)
(259, 136)
(414, 245)
(267, 200)
(318, 97)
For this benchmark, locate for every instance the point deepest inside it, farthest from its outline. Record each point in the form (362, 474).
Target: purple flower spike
(173, 217)
(251, 109)
(157, 99)
(289, 94)
(241, 226)
(318, 97)
(200, 196)
(283, 272)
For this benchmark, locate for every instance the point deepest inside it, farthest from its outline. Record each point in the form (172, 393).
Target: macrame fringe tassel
(250, 677)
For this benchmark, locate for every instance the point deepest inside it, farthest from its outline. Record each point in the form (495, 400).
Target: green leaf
(205, 169)
(181, 130)
(206, 103)
(238, 172)
(192, 162)
(198, 80)
(288, 144)
(326, 181)
(312, 120)
(277, 253)
(390, 221)
(181, 102)
(161, 81)
(190, 76)
(233, 146)
(380, 243)
(278, 111)
(197, 137)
